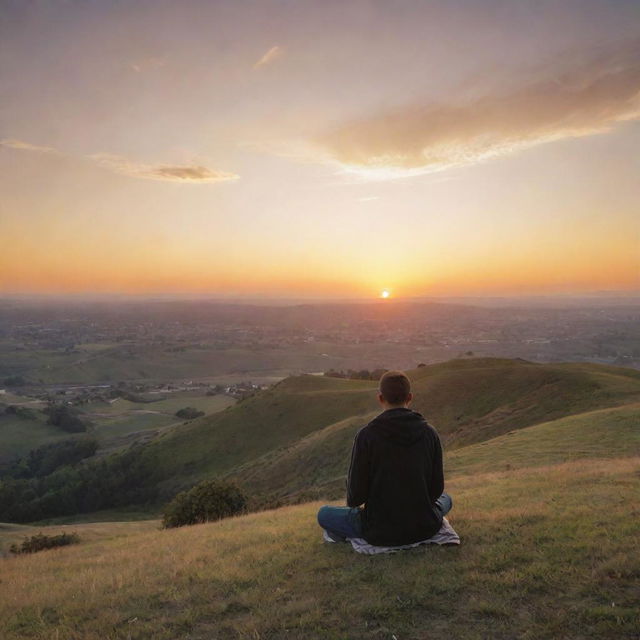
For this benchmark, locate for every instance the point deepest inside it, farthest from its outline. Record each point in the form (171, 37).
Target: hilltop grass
(474, 400)
(546, 553)
(606, 433)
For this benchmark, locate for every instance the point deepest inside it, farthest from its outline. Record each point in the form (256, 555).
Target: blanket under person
(446, 535)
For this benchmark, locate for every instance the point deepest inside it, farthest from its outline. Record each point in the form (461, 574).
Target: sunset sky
(319, 149)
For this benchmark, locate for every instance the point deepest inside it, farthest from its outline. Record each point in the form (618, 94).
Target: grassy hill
(543, 462)
(315, 465)
(291, 442)
(295, 437)
(546, 553)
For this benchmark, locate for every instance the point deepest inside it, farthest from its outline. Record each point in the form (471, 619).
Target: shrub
(207, 501)
(189, 413)
(65, 418)
(40, 542)
(20, 412)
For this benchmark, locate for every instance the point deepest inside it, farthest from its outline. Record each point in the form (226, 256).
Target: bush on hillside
(207, 501)
(40, 542)
(65, 417)
(14, 381)
(189, 413)
(24, 413)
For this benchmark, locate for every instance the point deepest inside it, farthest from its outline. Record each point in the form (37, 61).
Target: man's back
(396, 472)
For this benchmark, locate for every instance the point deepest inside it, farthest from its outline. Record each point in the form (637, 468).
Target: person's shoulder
(431, 430)
(364, 431)
(367, 431)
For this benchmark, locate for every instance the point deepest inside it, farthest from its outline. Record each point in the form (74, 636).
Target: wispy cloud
(124, 166)
(368, 198)
(422, 138)
(270, 56)
(147, 64)
(172, 173)
(21, 145)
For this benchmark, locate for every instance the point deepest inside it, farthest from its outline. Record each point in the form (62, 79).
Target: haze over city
(319, 150)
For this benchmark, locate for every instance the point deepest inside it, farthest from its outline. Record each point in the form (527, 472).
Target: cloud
(269, 57)
(147, 64)
(172, 173)
(20, 145)
(416, 139)
(118, 164)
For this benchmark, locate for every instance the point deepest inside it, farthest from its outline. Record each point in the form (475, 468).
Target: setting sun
(385, 293)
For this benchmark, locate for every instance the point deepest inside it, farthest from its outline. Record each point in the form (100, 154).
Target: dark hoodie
(396, 472)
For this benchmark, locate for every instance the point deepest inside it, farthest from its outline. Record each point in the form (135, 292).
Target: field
(115, 424)
(106, 363)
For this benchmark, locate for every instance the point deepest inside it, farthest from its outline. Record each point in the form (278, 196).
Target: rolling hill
(290, 443)
(548, 516)
(293, 440)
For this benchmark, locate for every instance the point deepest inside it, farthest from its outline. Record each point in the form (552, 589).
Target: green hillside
(296, 436)
(546, 553)
(277, 416)
(606, 433)
(473, 400)
(291, 442)
(547, 511)
(316, 465)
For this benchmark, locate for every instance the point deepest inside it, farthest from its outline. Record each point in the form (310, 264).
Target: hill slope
(547, 512)
(307, 422)
(545, 554)
(316, 466)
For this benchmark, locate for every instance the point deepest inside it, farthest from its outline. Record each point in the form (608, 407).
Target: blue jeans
(341, 523)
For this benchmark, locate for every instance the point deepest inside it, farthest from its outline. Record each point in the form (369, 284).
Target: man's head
(394, 390)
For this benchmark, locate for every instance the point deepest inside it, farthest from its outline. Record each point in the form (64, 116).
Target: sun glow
(384, 293)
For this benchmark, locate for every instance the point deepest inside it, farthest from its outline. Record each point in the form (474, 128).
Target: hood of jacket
(401, 426)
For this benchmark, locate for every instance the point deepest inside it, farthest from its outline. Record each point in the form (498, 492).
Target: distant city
(66, 343)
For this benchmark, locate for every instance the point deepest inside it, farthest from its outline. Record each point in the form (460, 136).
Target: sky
(319, 149)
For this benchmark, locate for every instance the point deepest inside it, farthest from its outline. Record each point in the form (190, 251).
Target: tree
(189, 413)
(66, 418)
(207, 501)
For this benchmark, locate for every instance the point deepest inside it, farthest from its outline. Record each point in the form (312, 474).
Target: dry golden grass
(547, 553)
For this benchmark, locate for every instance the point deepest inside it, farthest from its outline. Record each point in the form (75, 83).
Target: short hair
(395, 387)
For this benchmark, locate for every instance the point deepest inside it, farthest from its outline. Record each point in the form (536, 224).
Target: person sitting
(396, 481)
